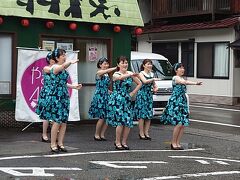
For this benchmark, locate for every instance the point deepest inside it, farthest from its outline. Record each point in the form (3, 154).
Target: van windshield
(162, 69)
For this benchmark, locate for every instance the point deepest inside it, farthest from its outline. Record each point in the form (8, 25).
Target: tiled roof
(224, 23)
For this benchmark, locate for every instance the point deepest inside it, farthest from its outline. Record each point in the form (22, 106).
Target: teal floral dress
(99, 104)
(119, 107)
(144, 100)
(58, 100)
(43, 95)
(177, 110)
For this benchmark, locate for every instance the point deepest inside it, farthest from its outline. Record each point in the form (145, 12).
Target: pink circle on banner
(32, 82)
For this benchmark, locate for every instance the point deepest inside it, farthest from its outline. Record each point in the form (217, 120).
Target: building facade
(103, 28)
(198, 33)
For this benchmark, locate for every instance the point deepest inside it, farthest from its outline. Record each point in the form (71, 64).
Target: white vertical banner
(30, 82)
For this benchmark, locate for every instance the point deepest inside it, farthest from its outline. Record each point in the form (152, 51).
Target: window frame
(108, 41)
(12, 95)
(188, 51)
(213, 61)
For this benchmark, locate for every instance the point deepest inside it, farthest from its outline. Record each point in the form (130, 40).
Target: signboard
(125, 12)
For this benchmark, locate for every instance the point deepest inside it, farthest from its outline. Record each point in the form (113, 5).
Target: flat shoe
(97, 139)
(54, 149)
(148, 138)
(180, 148)
(45, 140)
(103, 139)
(126, 147)
(174, 148)
(142, 137)
(118, 147)
(62, 148)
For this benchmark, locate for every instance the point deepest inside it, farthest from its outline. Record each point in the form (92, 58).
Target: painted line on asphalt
(113, 164)
(217, 108)
(216, 123)
(208, 158)
(97, 152)
(127, 151)
(219, 173)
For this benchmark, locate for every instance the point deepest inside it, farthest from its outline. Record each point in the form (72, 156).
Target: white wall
(218, 87)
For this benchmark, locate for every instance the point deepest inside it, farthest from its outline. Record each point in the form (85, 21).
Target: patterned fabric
(43, 93)
(119, 107)
(98, 107)
(177, 110)
(57, 101)
(144, 100)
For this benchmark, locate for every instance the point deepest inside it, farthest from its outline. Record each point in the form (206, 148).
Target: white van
(162, 69)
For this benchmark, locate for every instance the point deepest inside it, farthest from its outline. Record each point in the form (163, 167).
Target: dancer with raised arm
(177, 109)
(120, 114)
(99, 104)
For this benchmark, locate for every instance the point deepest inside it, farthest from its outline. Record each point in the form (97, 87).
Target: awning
(224, 23)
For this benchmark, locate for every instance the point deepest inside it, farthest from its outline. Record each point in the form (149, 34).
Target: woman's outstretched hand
(78, 86)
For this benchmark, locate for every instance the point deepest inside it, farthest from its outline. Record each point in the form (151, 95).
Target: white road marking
(209, 107)
(36, 171)
(97, 152)
(202, 161)
(127, 151)
(206, 158)
(194, 175)
(221, 162)
(113, 163)
(207, 163)
(216, 123)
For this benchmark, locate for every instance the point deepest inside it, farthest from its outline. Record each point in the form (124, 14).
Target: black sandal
(45, 140)
(103, 139)
(118, 147)
(54, 149)
(62, 148)
(148, 138)
(97, 139)
(126, 147)
(142, 137)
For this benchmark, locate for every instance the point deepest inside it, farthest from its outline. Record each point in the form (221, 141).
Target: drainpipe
(151, 12)
(213, 9)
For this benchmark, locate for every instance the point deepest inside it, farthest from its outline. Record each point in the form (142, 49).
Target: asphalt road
(211, 152)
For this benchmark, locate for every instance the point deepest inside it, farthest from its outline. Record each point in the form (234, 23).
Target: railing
(175, 8)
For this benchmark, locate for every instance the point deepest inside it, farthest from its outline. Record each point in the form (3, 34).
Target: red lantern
(138, 31)
(50, 24)
(1, 20)
(117, 29)
(73, 26)
(96, 27)
(25, 22)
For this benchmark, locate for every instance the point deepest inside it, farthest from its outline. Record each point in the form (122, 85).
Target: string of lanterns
(73, 26)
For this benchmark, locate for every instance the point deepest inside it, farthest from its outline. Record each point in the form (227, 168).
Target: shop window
(89, 53)
(5, 64)
(168, 50)
(188, 58)
(213, 60)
